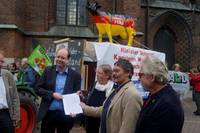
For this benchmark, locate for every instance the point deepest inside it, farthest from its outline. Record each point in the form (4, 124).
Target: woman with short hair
(98, 94)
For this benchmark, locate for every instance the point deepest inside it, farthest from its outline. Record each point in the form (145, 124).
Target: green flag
(39, 60)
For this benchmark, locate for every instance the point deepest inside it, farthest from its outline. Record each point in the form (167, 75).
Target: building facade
(170, 26)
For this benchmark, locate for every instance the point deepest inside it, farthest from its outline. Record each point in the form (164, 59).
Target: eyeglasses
(140, 74)
(1, 61)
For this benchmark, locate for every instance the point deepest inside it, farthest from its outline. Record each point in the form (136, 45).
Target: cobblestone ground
(191, 124)
(78, 130)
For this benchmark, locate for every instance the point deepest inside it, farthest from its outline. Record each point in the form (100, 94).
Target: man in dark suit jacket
(56, 81)
(162, 111)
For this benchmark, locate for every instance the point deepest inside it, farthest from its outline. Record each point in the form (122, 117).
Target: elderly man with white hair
(162, 111)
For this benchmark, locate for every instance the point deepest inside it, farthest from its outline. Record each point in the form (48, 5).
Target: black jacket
(95, 99)
(46, 86)
(161, 113)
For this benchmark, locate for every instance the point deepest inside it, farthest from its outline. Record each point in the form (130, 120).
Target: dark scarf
(107, 104)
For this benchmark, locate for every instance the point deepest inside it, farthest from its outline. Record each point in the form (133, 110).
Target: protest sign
(108, 53)
(180, 82)
(39, 60)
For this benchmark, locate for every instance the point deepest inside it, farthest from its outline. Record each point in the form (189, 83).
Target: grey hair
(126, 66)
(153, 66)
(107, 69)
(25, 59)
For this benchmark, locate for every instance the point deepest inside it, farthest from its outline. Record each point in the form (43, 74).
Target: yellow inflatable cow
(112, 25)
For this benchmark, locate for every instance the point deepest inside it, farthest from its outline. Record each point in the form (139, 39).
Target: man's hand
(72, 115)
(83, 105)
(57, 96)
(79, 93)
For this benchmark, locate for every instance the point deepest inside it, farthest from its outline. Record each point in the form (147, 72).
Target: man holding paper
(120, 110)
(55, 82)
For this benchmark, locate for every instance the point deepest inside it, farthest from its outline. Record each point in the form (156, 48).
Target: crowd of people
(194, 76)
(113, 105)
(23, 72)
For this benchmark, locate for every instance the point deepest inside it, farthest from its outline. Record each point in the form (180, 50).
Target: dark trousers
(56, 121)
(197, 101)
(92, 125)
(6, 125)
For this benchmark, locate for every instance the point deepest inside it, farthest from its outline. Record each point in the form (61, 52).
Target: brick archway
(182, 34)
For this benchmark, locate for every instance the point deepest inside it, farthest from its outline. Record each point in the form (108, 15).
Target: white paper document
(71, 104)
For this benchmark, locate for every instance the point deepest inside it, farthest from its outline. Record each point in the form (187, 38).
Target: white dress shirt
(3, 100)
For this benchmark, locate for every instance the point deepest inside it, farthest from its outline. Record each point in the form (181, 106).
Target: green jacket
(12, 96)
